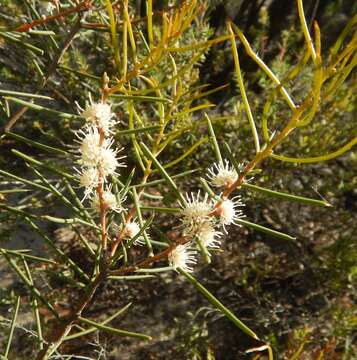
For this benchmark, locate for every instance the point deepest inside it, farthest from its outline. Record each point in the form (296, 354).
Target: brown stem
(85, 5)
(58, 336)
(150, 260)
(121, 235)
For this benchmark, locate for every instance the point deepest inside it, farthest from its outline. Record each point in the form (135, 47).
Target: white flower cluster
(130, 230)
(183, 257)
(222, 174)
(98, 159)
(202, 219)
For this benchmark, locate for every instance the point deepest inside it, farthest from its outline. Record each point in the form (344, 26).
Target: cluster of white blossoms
(222, 174)
(98, 158)
(202, 218)
(129, 230)
(183, 257)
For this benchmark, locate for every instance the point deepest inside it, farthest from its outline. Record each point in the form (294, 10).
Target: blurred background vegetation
(298, 295)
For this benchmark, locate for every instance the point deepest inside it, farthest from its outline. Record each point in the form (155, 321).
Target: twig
(56, 339)
(83, 6)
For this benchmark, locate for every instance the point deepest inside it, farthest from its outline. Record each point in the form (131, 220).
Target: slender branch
(242, 90)
(121, 235)
(268, 149)
(58, 336)
(263, 66)
(306, 32)
(150, 260)
(83, 6)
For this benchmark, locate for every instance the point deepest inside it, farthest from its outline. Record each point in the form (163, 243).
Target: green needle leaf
(131, 277)
(141, 98)
(28, 256)
(24, 181)
(160, 209)
(157, 182)
(214, 140)
(93, 329)
(58, 251)
(216, 303)
(136, 131)
(12, 327)
(242, 90)
(35, 308)
(40, 108)
(37, 144)
(278, 194)
(39, 163)
(265, 230)
(141, 222)
(19, 93)
(29, 284)
(10, 36)
(186, 153)
(115, 331)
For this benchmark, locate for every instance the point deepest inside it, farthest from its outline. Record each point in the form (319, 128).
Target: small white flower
(182, 257)
(109, 199)
(109, 161)
(227, 212)
(132, 229)
(222, 174)
(94, 155)
(97, 158)
(209, 236)
(89, 179)
(100, 115)
(195, 211)
(90, 150)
